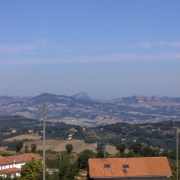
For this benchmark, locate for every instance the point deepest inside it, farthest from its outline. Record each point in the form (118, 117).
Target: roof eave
(129, 176)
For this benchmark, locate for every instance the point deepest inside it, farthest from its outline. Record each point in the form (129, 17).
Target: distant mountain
(80, 109)
(45, 98)
(9, 99)
(82, 95)
(148, 100)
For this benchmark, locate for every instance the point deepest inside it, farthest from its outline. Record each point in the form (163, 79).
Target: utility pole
(44, 139)
(177, 149)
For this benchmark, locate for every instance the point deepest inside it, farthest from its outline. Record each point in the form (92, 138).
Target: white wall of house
(6, 166)
(19, 165)
(14, 165)
(12, 175)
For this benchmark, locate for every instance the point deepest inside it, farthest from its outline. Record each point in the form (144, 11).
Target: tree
(100, 150)
(19, 146)
(147, 151)
(130, 154)
(121, 148)
(26, 148)
(166, 153)
(33, 148)
(69, 148)
(136, 147)
(67, 171)
(32, 170)
(82, 161)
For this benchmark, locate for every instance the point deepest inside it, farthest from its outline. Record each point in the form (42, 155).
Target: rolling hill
(80, 109)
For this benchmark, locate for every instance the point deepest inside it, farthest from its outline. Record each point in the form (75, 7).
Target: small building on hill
(11, 165)
(13, 131)
(70, 137)
(141, 168)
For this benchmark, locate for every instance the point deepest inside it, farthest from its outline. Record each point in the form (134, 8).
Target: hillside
(161, 135)
(80, 109)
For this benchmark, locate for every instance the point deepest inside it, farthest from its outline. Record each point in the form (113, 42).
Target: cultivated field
(78, 146)
(60, 145)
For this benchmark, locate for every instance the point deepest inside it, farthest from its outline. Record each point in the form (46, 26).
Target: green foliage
(67, 171)
(121, 148)
(130, 154)
(33, 148)
(26, 148)
(64, 165)
(152, 134)
(69, 148)
(52, 176)
(83, 158)
(174, 170)
(136, 147)
(32, 170)
(16, 122)
(52, 163)
(100, 150)
(19, 146)
(147, 152)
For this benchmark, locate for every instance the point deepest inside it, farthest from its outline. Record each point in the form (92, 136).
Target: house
(13, 131)
(70, 137)
(30, 131)
(140, 168)
(11, 165)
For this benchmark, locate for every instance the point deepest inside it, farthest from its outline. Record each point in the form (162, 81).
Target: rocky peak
(81, 95)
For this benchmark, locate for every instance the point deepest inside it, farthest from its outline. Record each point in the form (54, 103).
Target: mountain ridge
(80, 109)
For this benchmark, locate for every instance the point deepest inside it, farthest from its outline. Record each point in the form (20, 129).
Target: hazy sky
(107, 48)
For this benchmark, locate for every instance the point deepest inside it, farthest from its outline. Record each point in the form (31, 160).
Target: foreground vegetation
(131, 140)
(67, 165)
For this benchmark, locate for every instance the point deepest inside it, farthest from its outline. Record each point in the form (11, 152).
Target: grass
(22, 137)
(78, 146)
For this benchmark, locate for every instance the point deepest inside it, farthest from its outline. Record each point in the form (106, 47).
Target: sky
(109, 49)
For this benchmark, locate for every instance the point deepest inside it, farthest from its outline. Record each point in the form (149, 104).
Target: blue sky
(106, 48)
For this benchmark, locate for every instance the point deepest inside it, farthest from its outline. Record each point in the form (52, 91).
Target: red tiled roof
(18, 158)
(142, 166)
(10, 171)
(24, 157)
(4, 160)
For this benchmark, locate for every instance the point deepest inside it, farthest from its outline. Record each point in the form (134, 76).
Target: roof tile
(142, 166)
(18, 158)
(10, 171)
